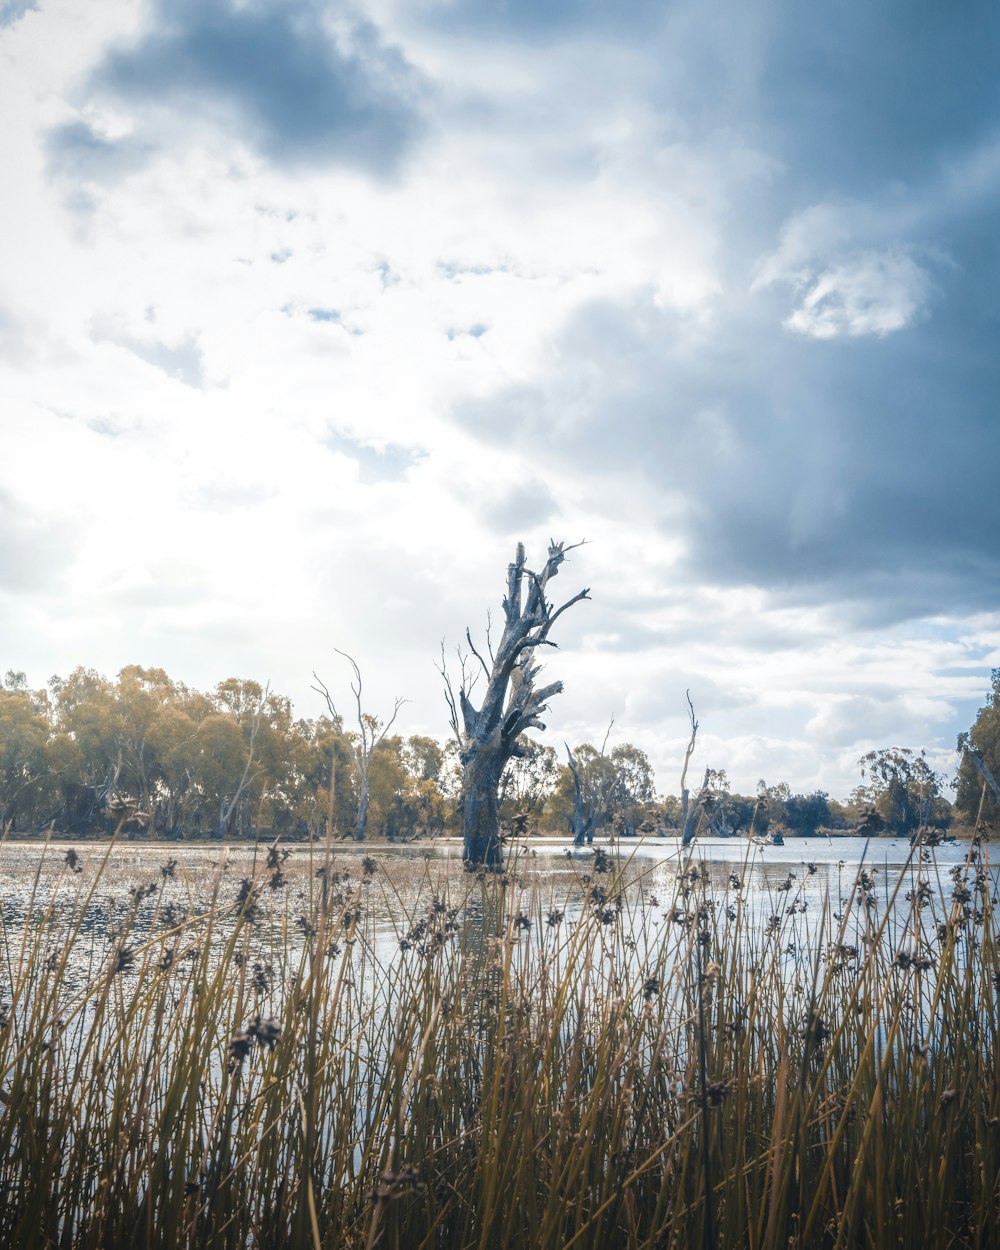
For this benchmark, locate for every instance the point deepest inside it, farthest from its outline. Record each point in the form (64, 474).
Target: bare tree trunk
(582, 824)
(590, 803)
(687, 820)
(480, 809)
(981, 768)
(692, 815)
(361, 824)
(330, 809)
(371, 731)
(488, 736)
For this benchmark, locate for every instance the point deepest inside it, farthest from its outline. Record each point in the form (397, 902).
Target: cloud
(276, 76)
(868, 293)
(530, 19)
(843, 472)
(12, 11)
(33, 548)
(13, 336)
(848, 281)
(388, 463)
(860, 97)
(181, 360)
(710, 286)
(516, 509)
(79, 153)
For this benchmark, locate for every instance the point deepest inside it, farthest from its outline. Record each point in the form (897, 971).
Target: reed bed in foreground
(268, 1067)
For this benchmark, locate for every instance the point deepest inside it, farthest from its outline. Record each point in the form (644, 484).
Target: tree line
(235, 762)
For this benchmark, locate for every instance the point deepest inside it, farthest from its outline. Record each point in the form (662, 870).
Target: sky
(309, 312)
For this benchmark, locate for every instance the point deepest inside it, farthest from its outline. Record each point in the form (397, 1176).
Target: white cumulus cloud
(867, 293)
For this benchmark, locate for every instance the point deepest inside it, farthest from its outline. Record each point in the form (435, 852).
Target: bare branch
(321, 689)
(449, 695)
(690, 746)
(472, 648)
(583, 594)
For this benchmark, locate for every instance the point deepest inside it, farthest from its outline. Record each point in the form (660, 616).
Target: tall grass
(267, 1066)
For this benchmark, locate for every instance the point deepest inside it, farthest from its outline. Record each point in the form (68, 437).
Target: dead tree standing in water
(488, 736)
(591, 791)
(688, 813)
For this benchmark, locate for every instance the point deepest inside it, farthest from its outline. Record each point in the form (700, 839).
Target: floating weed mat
(256, 1062)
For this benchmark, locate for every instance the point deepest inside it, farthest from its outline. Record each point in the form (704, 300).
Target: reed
(349, 1055)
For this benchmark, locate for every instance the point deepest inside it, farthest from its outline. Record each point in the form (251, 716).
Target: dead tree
(488, 736)
(688, 813)
(227, 803)
(981, 768)
(371, 731)
(591, 793)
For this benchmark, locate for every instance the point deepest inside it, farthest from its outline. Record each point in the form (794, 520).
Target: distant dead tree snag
(370, 733)
(489, 736)
(593, 780)
(688, 813)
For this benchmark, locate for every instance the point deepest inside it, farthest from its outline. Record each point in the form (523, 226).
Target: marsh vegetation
(325, 1049)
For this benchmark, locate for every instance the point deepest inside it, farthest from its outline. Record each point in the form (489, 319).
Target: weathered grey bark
(583, 821)
(488, 736)
(371, 731)
(980, 766)
(591, 795)
(690, 820)
(687, 812)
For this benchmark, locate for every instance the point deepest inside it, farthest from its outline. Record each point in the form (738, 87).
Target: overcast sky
(310, 311)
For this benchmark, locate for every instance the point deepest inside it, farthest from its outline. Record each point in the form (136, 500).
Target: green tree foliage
(527, 782)
(24, 736)
(633, 788)
(596, 781)
(985, 737)
(617, 792)
(902, 788)
(227, 763)
(805, 813)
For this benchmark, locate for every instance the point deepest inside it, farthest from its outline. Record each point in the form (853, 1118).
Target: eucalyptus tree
(85, 750)
(527, 782)
(489, 736)
(903, 788)
(24, 736)
(230, 744)
(633, 788)
(976, 797)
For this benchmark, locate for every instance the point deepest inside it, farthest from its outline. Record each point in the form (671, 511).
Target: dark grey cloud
(844, 97)
(859, 95)
(836, 435)
(861, 469)
(532, 19)
(275, 75)
(523, 506)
